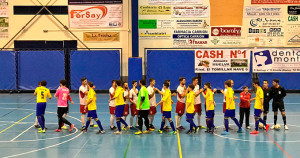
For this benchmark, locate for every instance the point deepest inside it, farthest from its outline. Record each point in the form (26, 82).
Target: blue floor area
(18, 137)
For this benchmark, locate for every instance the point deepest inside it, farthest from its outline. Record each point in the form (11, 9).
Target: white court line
(81, 148)
(21, 133)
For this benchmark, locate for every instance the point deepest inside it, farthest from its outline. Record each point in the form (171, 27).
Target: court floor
(19, 138)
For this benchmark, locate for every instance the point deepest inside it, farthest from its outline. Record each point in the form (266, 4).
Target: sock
(112, 118)
(62, 124)
(263, 122)
(99, 124)
(137, 120)
(176, 119)
(207, 123)
(284, 119)
(211, 124)
(162, 125)
(226, 124)
(41, 122)
(119, 125)
(87, 124)
(172, 125)
(199, 119)
(131, 120)
(179, 121)
(123, 121)
(43, 118)
(265, 118)
(237, 123)
(256, 125)
(275, 119)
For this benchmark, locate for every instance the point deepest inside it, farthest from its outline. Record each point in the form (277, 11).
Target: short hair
(276, 80)
(194, 78)
(256, 82)
(208, 84)
(91, 84)
(151, 79)
(266, 81)
(181, 79)
(63, 82)
(39, 82)
(43, 83)
(133, 82)
(83, 79)
(167, 80)
(166, 84)
(119, 82)
(113, 81)
(124, 83)
(228, 83)
(192, 86)
(143, 82)
(244, 87)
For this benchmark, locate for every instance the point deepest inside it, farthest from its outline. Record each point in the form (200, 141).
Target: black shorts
(275, 107)
(62, 110)
(266, 107)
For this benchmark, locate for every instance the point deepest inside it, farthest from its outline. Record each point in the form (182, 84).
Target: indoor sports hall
(191, 73)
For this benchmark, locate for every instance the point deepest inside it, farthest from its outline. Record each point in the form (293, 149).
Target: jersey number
(65, 95)
(42, 94)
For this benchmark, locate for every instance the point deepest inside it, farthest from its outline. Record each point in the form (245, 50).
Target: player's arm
(35, 92)
(69, 98)
(243, 98)
(160, 92)
(49, 95)
(114, 97)
(89, 99)
(163, 99)
(205, 96)
(198, 93)
(283, 92)
(153, 93)
(143, 97)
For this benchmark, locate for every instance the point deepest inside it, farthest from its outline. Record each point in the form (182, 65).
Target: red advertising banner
(275, 1)
(226, 31)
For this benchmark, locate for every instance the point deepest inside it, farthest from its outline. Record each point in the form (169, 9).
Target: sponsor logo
(226, 31)
(275, 32)
(294, 10)
(265, 22)
(147, 33)
(215, 41)
(251, 30)
(97, 12)
(263, 58)
(293, 18)
(295, 39)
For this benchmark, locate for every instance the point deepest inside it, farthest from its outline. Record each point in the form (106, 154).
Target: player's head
(142, 82)
(44, 83)
(227, 83)
(231, 81)
(191, 87)
(125, 85)
(168, 81)
(113, 83)
(152, 81)
(63, 83)
(119, 82)
(275, 82)
(166, 85)
(207, 85)
(40, 84)
(256, 83)
(83, 81)
(195, 80)
(245, 89)
(91, 85)
(182, 80)
(266, 83)
(134, 83)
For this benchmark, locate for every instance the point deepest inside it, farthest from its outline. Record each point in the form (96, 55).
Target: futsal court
(19, 138)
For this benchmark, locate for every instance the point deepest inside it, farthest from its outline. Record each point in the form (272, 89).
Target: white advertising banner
(174, 2)
(190, 11)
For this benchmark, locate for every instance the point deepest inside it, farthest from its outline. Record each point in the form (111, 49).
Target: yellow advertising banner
(155, 10)
(101, 36)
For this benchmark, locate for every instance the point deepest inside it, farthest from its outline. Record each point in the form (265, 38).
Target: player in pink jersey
(62, 94)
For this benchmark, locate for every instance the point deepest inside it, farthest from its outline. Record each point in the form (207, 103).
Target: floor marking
(21, 133)
(127, 146)
(81, 148)
(15, 123)
(178, 138)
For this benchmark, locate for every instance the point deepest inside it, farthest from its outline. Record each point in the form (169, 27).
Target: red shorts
(83, 109)
(112, 110)
(161, 108)
(224, 107)
(152, 110)
(126, 110)
(180, 107)
(198, 108)
(133, 110)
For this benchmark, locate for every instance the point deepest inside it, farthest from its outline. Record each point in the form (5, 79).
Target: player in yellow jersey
(258, 107)
(190, 109)
(42, 94)
(210, 107)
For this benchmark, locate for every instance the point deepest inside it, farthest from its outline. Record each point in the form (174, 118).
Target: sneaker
(286, 127)
(173, 133)
(230, 128)
(84, 131)
(189, 132)
(132, 128)
(168, 127)
(37, 126)
(94, 126)
(100, 132)
(138, 132)
(118, 132)
(182, 128)
(248, 127)
(196, 130)
(151, 126)
(146, 132)
(254, 132)
(58, 130)
(113, 128)
(137, 127)
(267, 127)
(240, 130)
(201, 127)
(151, 129)
(273, 127)
(42, 131)
(225, 133)
(64, 127)
(71, 127)
(82, 128)
(160, 131)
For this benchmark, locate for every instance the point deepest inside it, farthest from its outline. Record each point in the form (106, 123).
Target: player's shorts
(180, 107)
(40, 109)
(266, 107)
(167, 114)
(126, 110)
(152, 110)
(198, 108)
(224, 107)
(61, 111)
(189, 116)
(275, 107)
(229, 113)
(112, 110)
(210, 114)
(161, 108)
(257, 112)
(133, 110)
(83, 109)
(119, 110)
(92, 114)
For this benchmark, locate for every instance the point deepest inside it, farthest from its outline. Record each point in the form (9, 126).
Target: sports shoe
(64, 127)
(167, 127)
(225, 133)
(118, 132)
(58, 130)
(182, 128)
(37, 126)
(273, 127)
(189, 132)
(248, 127)
(286, 127)
(267, 127)
(113, 128)
(126, 128)
(137, 127)
(82, 128)
(100, 132)
(160, 131)
(42, 131)
(254, 132)
(230, 128)
(173, 133)
(151, 129)
(84, 131)
(71, 127)
(146, 132)
(240, 130)
(151, 126)
(94, 126)
(138, 132)
(201, 127)
(132, 128)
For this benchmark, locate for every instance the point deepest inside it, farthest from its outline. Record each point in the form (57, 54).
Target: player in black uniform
(267, 98)
(278, 93)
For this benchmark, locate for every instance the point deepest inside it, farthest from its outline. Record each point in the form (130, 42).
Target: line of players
(143, 105)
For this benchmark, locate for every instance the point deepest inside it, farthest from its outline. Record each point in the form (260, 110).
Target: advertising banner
(101, 36)
(79, 2)
(190, 11)
(175, 2)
